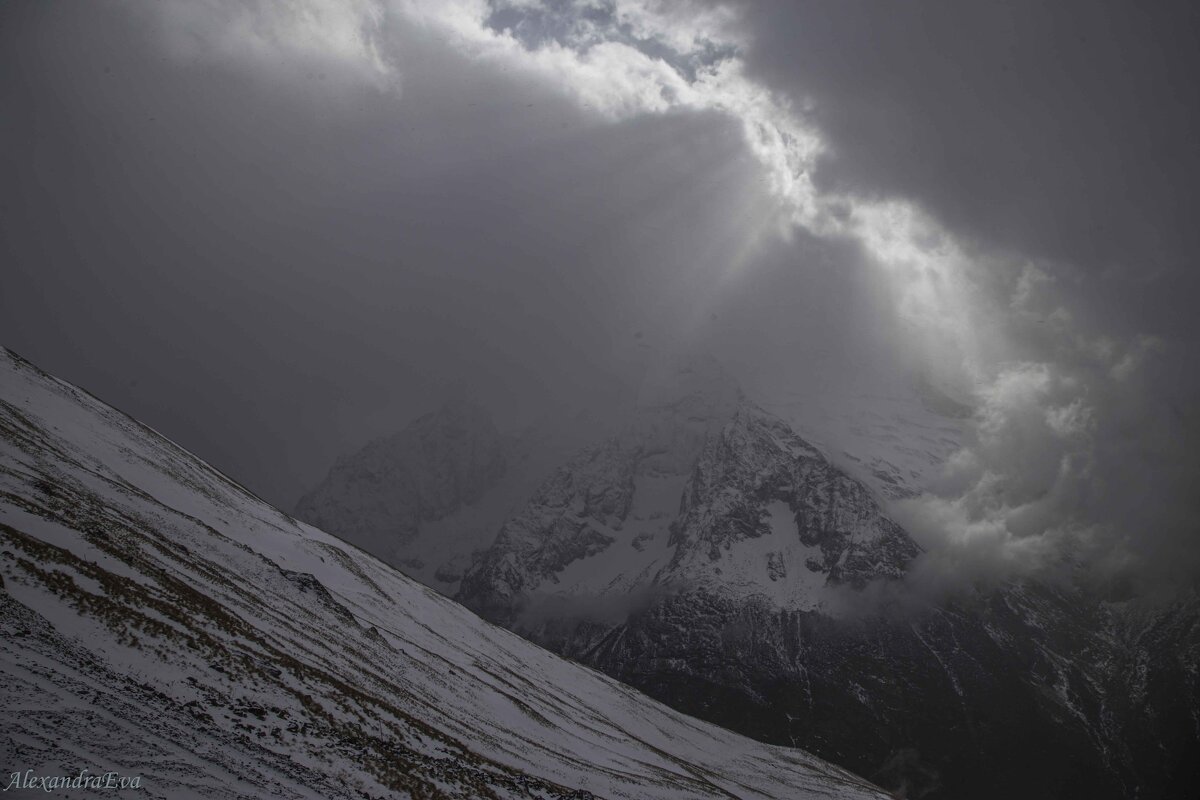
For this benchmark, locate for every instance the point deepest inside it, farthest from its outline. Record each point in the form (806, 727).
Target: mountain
(758, 512)
(162, 622)
(702, 490)
(710, 554)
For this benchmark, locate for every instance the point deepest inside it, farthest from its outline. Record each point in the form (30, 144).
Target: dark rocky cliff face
(1024, 693)
(756, 460)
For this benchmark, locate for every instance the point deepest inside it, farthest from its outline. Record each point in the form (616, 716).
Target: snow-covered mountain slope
(702, 489)
(160, 621)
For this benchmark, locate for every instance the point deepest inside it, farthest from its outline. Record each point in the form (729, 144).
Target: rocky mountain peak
(737, 503)
(764, 513)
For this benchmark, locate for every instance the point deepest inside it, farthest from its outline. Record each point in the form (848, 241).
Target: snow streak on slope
(159, 620)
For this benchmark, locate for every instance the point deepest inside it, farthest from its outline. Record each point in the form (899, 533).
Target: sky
(276, 231)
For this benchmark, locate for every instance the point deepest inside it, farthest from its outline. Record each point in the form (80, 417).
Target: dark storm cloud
(1057, 134)
(1063, 131)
